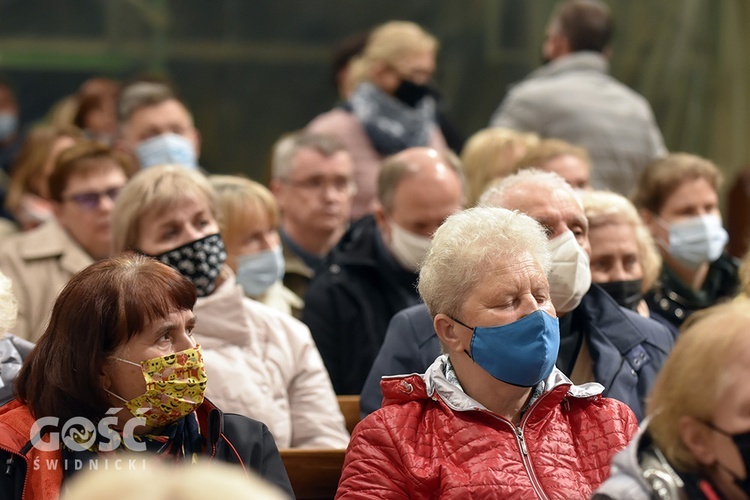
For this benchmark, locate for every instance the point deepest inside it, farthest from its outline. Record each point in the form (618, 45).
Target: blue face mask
(8, 125)
(166, 149)
(521, 353)
(257, 272)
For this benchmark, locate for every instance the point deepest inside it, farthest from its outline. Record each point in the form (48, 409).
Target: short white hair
(466, 244)
(8, 304)
(496, 195)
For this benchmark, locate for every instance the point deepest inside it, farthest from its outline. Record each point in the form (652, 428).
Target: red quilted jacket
(417, 446)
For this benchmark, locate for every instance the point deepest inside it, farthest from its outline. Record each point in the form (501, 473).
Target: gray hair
(496, 195)
(8, 304)
(286, 147)
(140, 95)
(464, 247)
(395, 169)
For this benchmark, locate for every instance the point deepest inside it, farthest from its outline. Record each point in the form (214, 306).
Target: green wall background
(252, 70)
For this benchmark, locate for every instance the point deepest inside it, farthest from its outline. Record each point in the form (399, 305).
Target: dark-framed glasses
(91, 199)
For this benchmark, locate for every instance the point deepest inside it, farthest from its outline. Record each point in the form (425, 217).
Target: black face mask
(626, 293)
(410, 93)
(742, 442)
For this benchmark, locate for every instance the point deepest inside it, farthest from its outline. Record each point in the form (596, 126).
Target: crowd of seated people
(507, 322)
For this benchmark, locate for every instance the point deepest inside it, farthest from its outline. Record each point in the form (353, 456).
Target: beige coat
(263, 364)
(39, 263)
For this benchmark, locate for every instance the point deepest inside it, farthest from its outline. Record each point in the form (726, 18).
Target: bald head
(546, 197)
(418, 188)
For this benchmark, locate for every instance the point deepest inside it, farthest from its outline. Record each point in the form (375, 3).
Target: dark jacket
(675, 301)
(627, 350)
(351, 299)
(230, 438)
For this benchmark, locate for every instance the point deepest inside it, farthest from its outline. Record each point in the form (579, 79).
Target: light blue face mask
(166, 149)
(8, 125)
(521, 353)
(697, 240)
(257, 272)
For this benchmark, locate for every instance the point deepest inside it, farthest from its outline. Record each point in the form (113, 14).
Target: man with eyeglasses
(83, 186)
(311, 178)
(371, 274)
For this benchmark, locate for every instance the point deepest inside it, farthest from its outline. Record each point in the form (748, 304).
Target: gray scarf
(391, 125)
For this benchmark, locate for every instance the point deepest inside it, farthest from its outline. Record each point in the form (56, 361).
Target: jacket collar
(434, 385)
(51, 240)
(606, 322)
(577, 61)
(222, 316)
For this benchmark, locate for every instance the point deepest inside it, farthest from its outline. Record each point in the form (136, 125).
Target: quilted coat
(432, 440)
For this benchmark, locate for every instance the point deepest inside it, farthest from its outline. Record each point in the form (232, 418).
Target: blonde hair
(241, 202)
(8, 304)
(390, 43)
(166, 481)
(152, 192)
(491, 154)
(605, 207)
(694, 377)
(549, 149)
(466, 244)
(744, 274)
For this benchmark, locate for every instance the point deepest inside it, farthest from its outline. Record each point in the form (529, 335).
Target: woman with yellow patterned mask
(118, 369)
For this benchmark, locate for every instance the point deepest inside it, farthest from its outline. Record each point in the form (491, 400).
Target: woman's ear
(697, 439)
(448, 332)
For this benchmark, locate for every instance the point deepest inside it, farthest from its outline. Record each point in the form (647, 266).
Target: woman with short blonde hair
(249, 220)
(695, 442)
(263, 363)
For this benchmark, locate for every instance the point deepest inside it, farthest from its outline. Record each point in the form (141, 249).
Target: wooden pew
(350, 408)
(314, 474)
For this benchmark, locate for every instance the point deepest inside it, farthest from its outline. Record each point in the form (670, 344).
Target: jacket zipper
(9, 464)
(527, 462)
(518, 432)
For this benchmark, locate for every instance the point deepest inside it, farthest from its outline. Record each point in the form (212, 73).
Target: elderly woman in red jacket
(492, 416)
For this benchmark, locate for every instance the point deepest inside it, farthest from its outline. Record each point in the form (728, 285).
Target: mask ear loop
(465, 326)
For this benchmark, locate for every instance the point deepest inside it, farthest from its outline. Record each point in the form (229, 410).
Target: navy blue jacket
(627, 350)
(351, 299)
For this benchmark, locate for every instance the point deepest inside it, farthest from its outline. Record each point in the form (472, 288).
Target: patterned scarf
(391, 125)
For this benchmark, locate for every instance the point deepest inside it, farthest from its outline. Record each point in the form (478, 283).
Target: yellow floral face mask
(175, 387)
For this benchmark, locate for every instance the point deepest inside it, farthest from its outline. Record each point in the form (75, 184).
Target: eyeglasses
(321, 184)
(91, 200)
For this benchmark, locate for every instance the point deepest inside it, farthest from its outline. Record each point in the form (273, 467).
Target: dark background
(251, 70)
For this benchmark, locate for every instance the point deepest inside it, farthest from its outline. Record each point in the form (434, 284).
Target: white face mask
(408, 249)
(166, 149)
(696, 240)
(570, 276)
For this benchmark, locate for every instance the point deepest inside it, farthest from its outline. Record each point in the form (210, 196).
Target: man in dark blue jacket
(599, 340)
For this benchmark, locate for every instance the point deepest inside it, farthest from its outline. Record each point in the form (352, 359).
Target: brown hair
(587, 24)
(83, 158)
(100, 309)
(664, 176)
(29, 165)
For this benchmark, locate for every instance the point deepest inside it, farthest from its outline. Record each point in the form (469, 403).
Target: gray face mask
(166, 149)
(696, 240)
